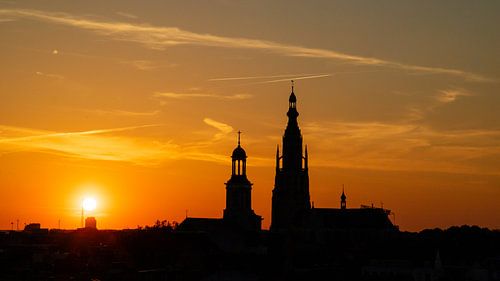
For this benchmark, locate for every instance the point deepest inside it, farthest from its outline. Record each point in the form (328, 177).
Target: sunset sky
(137, 104)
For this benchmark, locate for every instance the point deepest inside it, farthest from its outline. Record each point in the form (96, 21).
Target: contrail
(260, 77)
(295, 78)
(81, 133)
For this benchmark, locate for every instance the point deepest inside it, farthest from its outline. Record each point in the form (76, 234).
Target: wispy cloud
(110, 145)
(146, 64)
(123, 112)
(447, 96)
(162, 37)
(127, 15)
(38, 134)
(93, 144)
(49, 75)
(173, 95)
(222, 127)
(141, 64)
(438, 99)
(393, 146)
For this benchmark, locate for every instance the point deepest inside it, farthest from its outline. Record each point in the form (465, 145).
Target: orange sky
(138, 106)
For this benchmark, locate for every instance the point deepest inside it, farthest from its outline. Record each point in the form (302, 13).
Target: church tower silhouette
(239, 193)
(290, 199)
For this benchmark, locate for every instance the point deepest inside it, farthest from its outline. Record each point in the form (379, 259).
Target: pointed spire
(343, 203)
(293, 84)
(239, 135)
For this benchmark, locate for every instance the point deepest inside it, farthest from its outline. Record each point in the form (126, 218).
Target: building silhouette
(290, 199)
(291, 207)
(90, 223)
(238, 214)
(239, 193)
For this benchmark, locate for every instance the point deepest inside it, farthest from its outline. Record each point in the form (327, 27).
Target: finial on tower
(343, 203)
(292, 100)
(239, 136)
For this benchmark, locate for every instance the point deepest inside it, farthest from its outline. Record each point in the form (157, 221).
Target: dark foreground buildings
(304, 242)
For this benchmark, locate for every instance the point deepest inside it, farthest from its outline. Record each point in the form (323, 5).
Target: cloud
(156, 37)
(447, 96)
(94, 144)
(123, 112)
(49, 75)
(38, 134)
(401, 146)
(127, 15)
(418, 112)
(110, 145)
(144, 64)
(222, 127)
(172, 95)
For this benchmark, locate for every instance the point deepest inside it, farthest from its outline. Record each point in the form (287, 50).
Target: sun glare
(89, 204)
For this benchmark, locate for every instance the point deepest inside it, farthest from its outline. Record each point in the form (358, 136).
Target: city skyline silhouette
(249, 140)
(139, 109)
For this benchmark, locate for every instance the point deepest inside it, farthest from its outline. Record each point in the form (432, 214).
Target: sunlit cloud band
(157, 37)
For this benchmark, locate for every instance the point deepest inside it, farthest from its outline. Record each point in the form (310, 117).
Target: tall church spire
(292, 140)
(291, 188)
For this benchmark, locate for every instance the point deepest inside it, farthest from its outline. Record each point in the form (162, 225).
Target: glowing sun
(89, 204)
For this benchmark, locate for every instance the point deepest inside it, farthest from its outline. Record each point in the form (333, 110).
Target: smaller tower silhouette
(343, 202)
(239, 193)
